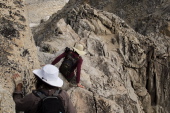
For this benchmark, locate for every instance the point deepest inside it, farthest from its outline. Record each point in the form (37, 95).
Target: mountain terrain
(126, 68)
(143, 16)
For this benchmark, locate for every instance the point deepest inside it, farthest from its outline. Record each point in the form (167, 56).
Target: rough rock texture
(142, 15)
(125, 69)
(18, 53)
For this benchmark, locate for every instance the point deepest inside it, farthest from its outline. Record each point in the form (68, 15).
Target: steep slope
(122, 71)
(142, 15)
(18, 53)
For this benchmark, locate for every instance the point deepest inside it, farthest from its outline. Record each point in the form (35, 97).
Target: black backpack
(49, 104)
(68, 63)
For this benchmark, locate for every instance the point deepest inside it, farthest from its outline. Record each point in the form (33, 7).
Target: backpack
(68, 63)
(49, 104)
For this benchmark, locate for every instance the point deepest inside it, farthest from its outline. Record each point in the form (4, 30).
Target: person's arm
(79, 72)
(22, 104)
(59, 58)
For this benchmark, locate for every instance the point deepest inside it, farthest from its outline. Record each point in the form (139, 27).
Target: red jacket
(78, 66)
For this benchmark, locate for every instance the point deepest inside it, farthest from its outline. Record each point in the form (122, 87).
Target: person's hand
(18, 81)
(19, 87)
(79, 85)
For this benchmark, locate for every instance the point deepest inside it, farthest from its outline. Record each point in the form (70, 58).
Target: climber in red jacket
(72, 60)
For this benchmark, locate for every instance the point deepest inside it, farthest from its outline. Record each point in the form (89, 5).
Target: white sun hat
(79, 49)
(49, 74)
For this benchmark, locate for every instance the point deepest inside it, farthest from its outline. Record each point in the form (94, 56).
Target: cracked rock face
(17, 53)
(142, 15)
(123, 68)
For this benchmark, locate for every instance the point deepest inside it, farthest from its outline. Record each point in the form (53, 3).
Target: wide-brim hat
(49, 74)
(79, 49)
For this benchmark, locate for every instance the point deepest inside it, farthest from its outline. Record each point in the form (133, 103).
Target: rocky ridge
(123, 71)
(142, 15)
(126, 68)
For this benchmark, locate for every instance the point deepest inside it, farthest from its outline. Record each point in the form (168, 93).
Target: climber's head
(79, 48)
(49, 75)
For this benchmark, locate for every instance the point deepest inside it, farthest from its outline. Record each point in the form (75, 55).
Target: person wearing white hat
(48, 82)
(75, 63)
(49, 75)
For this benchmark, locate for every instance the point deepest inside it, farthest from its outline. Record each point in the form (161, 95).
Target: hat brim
(56, 83)
(81, 53)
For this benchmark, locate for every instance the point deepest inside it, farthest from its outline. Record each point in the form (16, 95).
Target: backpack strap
(39, 94)
(42, 95)
(57, 92)
(71, 52)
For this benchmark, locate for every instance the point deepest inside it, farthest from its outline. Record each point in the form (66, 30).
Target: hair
(41, 84)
